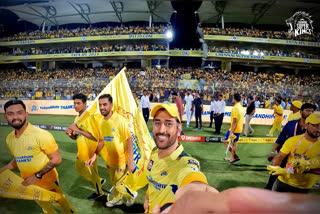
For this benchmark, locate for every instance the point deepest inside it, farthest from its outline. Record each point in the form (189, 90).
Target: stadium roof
(58, 12)
(257, 11)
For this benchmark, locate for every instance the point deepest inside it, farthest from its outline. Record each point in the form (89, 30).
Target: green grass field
(249, 171)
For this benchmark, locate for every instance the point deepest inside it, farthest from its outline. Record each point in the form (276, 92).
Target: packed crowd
(245, 32)
(90, 31)
(161, 83)
(265, 52)
(86, 49)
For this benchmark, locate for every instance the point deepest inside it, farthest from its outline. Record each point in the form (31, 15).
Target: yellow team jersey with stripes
(115, 133)
(167, 175)
(87, 147)
(303, 181)
(30, 151)
(237, 111)
(294, 116)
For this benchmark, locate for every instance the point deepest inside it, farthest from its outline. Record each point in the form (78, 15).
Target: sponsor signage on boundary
(190, 138)
(65, 107)
(256, 140)
(185, 138)
(46, 127)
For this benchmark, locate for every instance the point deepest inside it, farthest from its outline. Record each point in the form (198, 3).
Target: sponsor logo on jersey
(155, 184)
(150, 164)
(193, 162)
(108, 138)
(164, 172)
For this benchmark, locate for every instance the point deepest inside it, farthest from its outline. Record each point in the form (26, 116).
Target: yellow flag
(11, 187)
(124, 104)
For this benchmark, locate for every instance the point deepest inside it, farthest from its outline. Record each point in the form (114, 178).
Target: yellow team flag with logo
(11, 187)
(125, 105)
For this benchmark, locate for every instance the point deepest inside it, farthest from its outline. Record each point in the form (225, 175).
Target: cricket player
(169, 167)
(35, 153)
(86, 134)
(116, 147)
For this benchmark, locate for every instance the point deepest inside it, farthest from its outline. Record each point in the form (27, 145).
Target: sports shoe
(268, 135)
(94, 196)
(131, 201)
(187, 125)
(113, 203)
(251, 132)
(195, 128)
(103, 181)
(200, 129)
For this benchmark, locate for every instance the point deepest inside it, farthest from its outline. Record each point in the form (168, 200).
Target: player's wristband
(272, 153)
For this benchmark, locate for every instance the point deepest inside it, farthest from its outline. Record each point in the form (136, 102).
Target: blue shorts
(236, 134)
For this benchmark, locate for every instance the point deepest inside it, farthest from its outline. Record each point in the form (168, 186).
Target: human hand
(74, 127)
(90, 162)
(244, 200)
(69, 132)
(30, 180)
(270, 157)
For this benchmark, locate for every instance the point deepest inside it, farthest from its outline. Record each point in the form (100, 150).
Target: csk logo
(300, 23)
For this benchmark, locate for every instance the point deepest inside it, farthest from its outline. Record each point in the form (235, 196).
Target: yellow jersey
(303, 181)
(30, 151)
(279, 110)
(167, 175)
(294, 116)
(267, 104)
(115, 132)
(237, 111)
(87, 147)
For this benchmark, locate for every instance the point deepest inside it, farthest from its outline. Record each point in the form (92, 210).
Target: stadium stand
(42, 85)
(256, 33)
(91, 31)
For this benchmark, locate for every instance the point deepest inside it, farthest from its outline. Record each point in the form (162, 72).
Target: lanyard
(295, 128)
(300, 143)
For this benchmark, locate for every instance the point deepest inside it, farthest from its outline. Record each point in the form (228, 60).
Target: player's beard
(171, 140)
(104, 113)
(314, 135)
(17, 126)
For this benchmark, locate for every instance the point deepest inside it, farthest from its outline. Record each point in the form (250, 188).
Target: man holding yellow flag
(116, 143)
(122, 100)
(36, 154)
(87, 136)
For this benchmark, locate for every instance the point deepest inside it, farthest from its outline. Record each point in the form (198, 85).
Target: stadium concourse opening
(241, 76)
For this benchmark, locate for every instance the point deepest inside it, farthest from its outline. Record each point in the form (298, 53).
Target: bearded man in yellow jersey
(236, 123)
(278, 113)
(303, 147)
(87, 135)
(116, 147)
(35, 153)
(169, 167)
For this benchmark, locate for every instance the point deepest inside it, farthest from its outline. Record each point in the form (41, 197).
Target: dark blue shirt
(197, 103)
(288, 131)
